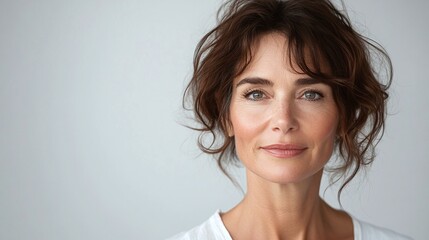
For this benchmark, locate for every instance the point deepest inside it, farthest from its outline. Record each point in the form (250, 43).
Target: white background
(91, 142)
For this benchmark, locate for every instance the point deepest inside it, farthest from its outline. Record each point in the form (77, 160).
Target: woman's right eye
(255, 95)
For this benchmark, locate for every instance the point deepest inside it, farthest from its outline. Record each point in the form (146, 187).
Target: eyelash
(249, 92)
(319, 97)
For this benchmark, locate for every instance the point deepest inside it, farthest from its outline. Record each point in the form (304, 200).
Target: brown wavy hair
(318, 35)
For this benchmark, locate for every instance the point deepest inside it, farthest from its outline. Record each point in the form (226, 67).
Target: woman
(280, 86)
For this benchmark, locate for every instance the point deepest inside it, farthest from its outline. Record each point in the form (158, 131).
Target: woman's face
(284, 123)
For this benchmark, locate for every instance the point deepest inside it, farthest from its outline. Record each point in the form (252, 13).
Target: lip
(284, 150)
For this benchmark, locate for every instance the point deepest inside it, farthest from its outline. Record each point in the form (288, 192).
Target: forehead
(270, 48)
(269, 57)
(273, 51)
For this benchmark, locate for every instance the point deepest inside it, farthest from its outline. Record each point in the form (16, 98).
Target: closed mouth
(284, 150)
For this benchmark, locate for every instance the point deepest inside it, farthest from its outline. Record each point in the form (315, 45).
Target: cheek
(327, 129)
(246, 118)
(247, 125)
(321, 121)
(243, 129)
(324, 132)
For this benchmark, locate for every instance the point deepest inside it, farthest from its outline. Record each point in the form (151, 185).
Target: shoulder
(211, 229)
(367, 231)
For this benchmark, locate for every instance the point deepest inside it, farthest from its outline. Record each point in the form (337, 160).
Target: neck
(268, 207)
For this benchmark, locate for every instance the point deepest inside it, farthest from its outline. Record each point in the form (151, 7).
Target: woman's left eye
(312, 95)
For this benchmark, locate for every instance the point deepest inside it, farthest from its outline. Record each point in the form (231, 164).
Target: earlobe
(230, 130)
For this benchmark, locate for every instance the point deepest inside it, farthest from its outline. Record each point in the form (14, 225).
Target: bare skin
(284, 125)
(286, 212)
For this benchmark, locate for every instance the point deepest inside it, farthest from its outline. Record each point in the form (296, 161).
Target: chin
(288, 175)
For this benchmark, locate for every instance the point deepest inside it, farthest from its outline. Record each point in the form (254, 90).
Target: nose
(284, 118)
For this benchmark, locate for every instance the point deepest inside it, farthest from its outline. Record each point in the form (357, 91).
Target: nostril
(284, 124)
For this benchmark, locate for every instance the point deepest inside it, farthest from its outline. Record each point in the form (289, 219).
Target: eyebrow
(255, 81)
(308, 81)
(266, 82)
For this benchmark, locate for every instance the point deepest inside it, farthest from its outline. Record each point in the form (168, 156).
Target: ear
(230, 129)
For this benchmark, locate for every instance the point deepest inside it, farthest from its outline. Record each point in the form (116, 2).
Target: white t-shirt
(213, 229)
